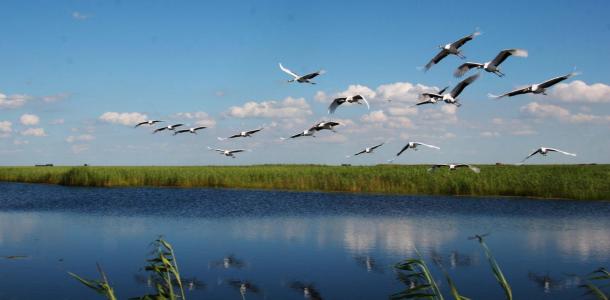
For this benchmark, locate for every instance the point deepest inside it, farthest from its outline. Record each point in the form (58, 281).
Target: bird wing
(524, 90)
(442, 91)
(141, 123)
(237, 151)
(465, 67)
(429, 146)
(459, 43)
(366, 102)
(561, 151)
(439, 56)
(159, 129)
(533, 153)
(504, 54)
(288, 71)
(375, 147)
(200, 127)
(333, 106)
(423, 102)
(463, 84)
(556, 80)
(296, 135)
(332, 124)
(311, 75)
(363, 151)
(254, 131)
(431, 95)
(403, 149)
(176, 125)
(181, 131)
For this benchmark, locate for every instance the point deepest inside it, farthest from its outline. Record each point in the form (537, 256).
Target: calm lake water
(343, 245)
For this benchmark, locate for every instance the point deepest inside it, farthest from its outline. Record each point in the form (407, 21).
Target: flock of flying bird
(442, 95)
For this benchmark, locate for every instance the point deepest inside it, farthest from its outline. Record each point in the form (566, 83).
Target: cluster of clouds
(578, 91)
(288, 108)
(123, 118)
(198, 118)
(13, 101)
(540, 111)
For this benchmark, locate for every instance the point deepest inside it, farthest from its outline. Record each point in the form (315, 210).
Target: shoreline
(556, 182)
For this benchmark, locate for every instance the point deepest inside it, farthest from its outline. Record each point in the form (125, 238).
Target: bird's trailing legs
(500, 74)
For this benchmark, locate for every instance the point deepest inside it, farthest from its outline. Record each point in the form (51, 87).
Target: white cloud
(357, 89)
(200, 118)
(76, 149)
(55, 98)
(379, 118)
(538, 110)
(29, 119)
(80, 138)
(321, 96)
(489, 134)
(541, 111)
(6, 128)
(402, 91)
(57, 122)
(20, 142)
(13, 101)
(126, 118)
(80, 16)
(287, 108)
(34, 132)
(579, 91)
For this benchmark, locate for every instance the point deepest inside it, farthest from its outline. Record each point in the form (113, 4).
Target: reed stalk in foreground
(495, 268)
(101, 286)
(164, 273)
(600, 276)
(419, 280)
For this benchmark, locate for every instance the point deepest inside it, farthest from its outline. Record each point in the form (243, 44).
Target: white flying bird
(169, 127)
(454, 167)
(490, 66)
(242, 134)
(353, 99)
(453, 48)
(451, 98)
(544, 151)
(149, 122)
(228, 153)
(367, 150)
(301, 79)
(306, 132)
(324, 125)
(428, 97)
(412, 145)
(192, 130)
(539, 88)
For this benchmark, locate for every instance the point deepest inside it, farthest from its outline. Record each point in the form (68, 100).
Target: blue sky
(67, 64)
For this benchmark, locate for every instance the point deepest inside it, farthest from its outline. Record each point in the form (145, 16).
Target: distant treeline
(583, 182)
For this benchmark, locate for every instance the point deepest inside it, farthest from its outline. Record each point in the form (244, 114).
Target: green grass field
(584, 182)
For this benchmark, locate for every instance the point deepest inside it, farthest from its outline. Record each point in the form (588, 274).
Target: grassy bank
(591, 182)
